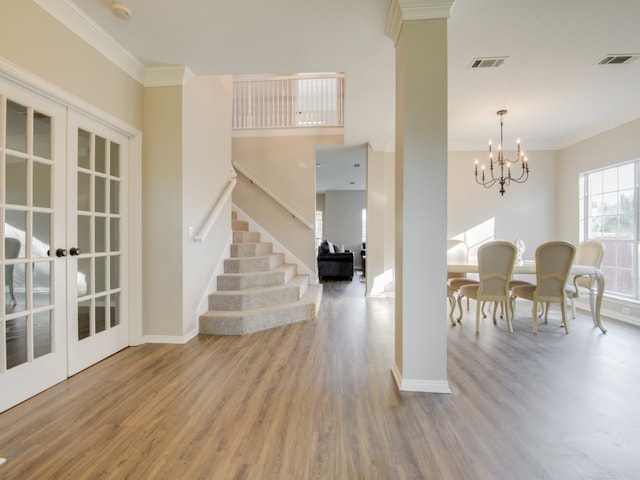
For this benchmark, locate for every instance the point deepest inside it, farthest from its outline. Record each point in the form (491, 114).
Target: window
(609, 213)
(318, 228)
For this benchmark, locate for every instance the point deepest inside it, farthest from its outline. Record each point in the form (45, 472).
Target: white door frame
(37, 86)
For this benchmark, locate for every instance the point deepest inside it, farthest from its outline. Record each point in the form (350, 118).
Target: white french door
(96, 226)
(63, 207)
(33, 318)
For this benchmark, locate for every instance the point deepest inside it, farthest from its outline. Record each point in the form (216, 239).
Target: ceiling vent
(487, 62)
(619, 59)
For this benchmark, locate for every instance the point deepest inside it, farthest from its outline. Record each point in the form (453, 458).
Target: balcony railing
(291, 101)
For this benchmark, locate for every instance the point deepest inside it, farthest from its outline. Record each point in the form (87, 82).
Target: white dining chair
(457, 254)
(553, 264)
(495, 266)
(589, 252)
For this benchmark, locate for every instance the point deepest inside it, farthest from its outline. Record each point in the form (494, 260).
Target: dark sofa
(333, 262)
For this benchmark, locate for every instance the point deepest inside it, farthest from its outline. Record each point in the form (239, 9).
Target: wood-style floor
(317, 401)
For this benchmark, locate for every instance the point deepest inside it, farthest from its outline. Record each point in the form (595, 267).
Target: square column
(421, 206)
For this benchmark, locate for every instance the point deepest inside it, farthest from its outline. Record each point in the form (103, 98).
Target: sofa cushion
(327, 247)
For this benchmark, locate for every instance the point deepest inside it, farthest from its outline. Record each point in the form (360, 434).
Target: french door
(98, 325)
(63, 221)
(33, 321)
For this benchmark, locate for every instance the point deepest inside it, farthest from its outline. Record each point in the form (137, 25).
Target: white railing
(282, 203)
(211, 219)
(290, 101)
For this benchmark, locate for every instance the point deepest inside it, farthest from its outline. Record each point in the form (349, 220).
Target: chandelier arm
(488, 183)
(519, 180)
(522, 178)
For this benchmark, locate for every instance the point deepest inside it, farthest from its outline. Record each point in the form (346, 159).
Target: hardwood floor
(317, 401)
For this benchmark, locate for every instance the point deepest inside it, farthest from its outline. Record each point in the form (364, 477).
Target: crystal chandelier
(502, 166)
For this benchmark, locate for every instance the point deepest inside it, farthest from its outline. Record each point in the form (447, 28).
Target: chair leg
(534, 316)
(573, 308)
(509, 317)
(592, 303)
(546, 312)
(564, 318)
(478, 308)
(452, 307)
(460, 306)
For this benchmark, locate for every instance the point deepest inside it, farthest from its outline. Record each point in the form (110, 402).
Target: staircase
(258, 290)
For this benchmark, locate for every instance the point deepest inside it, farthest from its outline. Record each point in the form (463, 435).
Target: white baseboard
(415, 385)
(178, 340)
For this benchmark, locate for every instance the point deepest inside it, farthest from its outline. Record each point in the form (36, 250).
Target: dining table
(528, 267)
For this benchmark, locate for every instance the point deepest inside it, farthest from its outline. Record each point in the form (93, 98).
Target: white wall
(527, 210)
(186, 166)
(35, 41)
(206, 167)
(380, 214)
(342, 221)
(162, 234)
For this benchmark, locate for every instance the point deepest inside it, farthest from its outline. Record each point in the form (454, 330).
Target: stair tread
(257, 256)
(279, 268)
(254, 311)
(260, 289)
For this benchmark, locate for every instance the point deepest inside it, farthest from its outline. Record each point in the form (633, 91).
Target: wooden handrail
(215, 212)
(281, 202)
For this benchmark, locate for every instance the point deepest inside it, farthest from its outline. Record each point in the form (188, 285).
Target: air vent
(487, 62)
(619, 59)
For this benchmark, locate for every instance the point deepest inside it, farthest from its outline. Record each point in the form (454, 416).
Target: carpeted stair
(258, 289)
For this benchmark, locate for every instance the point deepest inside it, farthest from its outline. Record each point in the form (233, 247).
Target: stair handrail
(278, 200)
(217, 208)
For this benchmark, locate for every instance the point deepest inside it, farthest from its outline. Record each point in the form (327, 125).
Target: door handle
(61, 252)
(74, 251)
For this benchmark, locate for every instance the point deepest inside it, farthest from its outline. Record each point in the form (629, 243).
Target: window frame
(615, 244)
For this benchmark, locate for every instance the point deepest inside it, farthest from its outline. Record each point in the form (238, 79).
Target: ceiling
(551, 83)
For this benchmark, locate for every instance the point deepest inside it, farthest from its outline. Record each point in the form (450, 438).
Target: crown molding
(401, 10)
(425, 9)
(82, 25)
(167, 76)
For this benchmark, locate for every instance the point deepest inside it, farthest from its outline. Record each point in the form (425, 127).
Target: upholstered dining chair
(457, 253)
(11, 250)
(495, 266)
(589, 252)
(553, 264)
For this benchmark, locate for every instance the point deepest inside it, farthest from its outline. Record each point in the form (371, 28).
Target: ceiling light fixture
(121, 10)
(504, 178)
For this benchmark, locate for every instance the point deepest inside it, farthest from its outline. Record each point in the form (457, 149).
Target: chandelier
(500, 169)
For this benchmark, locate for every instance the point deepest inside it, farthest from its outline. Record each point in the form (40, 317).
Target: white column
(421, 206)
